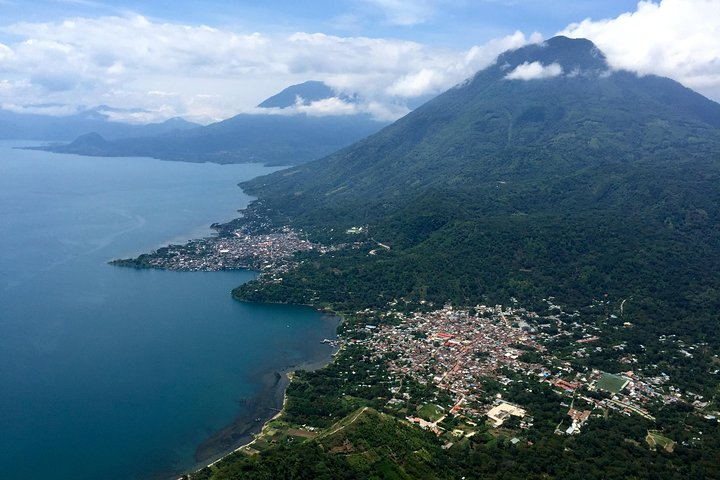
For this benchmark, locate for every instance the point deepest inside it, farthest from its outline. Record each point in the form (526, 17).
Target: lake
(115, 373)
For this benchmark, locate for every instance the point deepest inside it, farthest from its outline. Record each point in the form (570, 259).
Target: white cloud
(13, 90)
(214, 73)
(52, 110)
(159, 114)
(417, 83)
(672, 38)
(5, 52)
(327, 106)
(534, 71)
(338, 106)
(434, 79)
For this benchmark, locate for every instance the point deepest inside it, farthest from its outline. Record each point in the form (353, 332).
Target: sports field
(611, 383)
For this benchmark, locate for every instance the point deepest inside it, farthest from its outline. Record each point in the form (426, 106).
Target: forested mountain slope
(544, 174)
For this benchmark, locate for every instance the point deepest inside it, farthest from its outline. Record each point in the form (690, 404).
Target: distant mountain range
(545, 174)
(274, 138)
(24, 126)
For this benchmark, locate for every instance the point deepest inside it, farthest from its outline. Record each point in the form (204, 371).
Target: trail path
(337, 429)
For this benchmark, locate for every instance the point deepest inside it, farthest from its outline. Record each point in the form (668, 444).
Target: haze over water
(115, 373)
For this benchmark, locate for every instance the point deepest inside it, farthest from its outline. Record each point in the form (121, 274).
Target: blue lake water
(114, 373)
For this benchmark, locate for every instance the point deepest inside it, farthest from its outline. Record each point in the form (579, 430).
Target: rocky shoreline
(267, 405)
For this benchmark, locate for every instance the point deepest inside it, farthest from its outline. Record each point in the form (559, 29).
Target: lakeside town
(230, 249)
(460, 372)
(472, 360)
(455, 350)
(460, 351)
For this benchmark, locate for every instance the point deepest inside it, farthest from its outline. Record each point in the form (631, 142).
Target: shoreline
(266, 406)
(268, 402)
(287, 379)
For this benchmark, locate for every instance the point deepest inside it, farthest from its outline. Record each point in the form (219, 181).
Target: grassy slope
(365, 444)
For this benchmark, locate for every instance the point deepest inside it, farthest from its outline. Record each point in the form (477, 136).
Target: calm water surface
(113, 373)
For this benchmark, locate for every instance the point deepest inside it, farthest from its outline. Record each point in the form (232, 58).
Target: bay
(115, 373)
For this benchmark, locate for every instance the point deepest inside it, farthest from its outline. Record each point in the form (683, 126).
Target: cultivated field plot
(655, 440)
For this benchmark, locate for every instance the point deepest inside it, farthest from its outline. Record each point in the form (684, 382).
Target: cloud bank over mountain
(672, 38)
(204, 72)
(155, 69)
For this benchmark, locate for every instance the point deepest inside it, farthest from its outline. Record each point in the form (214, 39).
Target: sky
(209, 60)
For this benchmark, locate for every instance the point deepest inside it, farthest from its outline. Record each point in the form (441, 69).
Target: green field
(611, 383)
(430, 412)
